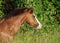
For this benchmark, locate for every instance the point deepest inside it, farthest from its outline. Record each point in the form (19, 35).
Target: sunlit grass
(48, 34)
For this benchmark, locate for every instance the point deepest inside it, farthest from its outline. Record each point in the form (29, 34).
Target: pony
(13, 21)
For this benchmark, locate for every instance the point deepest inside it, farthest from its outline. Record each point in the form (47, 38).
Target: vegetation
(48, 13)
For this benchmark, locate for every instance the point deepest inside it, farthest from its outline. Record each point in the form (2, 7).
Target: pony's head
(31, 19)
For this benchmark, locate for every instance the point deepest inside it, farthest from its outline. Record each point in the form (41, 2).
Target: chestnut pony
(12, 22)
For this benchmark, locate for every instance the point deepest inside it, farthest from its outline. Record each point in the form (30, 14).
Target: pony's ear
(30, 9)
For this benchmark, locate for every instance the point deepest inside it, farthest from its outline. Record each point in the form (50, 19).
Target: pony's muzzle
(39, 26)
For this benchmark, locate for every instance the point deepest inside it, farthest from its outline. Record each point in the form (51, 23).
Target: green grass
(48, 34)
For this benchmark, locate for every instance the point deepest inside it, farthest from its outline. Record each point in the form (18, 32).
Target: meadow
(47, 12)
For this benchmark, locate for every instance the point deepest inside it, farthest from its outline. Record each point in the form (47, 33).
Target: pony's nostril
(37, 24)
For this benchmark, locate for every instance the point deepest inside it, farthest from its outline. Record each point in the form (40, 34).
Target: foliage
(48, 13)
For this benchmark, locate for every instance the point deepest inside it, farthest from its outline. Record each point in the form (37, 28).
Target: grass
(48, 34)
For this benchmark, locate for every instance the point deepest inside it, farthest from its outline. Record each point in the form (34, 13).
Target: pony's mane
(12, 13)
(15, 12)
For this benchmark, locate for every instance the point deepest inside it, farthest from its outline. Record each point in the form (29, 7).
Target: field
(47, 12)
(50, 33)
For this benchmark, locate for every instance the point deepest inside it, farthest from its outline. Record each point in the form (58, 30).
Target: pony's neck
(15, 22)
